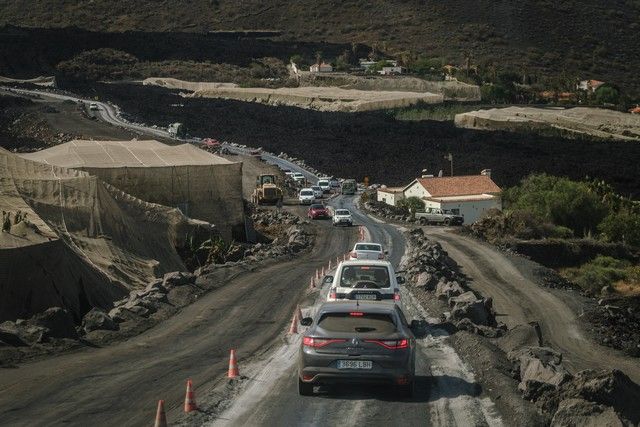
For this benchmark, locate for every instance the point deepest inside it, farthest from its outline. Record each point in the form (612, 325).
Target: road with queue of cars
(119, 385)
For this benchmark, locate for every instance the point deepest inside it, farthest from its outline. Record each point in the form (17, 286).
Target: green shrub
(411, 204)
(560, 201)
(621, 226)
(602, 271)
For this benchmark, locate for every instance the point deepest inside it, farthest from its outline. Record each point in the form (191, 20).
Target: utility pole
(449, 157)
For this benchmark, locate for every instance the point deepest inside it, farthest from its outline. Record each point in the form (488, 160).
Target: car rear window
(307, 193)
(361, 322)
(366, 247)
(342, 212)
(325, 183)
(364, 277)
(316, 207)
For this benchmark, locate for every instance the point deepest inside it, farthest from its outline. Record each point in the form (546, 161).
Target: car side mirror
(306, 321)
(400, 280)
(327, 280)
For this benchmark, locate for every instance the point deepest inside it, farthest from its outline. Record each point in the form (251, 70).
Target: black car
(357, 342)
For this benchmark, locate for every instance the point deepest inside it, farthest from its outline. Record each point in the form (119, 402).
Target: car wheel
(406, 391)
(423, 221)
(305, 389)
(447, 222)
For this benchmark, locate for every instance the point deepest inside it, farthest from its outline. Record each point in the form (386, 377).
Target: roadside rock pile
(383, 210)
(294, 240)
(143, 303)
(616, 323)
(49, 326)
(267, 217)
(591, 397)
(430, 269)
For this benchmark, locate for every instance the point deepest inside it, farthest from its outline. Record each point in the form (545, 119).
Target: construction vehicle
(267, 190)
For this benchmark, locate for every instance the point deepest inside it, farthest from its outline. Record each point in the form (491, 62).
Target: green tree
(560, 201)
(412, 204)
(622, 226)
(607, 95)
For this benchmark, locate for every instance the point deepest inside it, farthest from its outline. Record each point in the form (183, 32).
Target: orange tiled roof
(459, 185)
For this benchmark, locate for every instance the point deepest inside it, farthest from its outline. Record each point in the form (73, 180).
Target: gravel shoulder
(519, 299)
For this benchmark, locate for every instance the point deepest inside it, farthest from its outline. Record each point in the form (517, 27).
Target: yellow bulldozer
(266, 191)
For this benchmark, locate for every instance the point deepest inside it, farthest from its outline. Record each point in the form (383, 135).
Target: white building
(321, 68)
(388, 71)
(469, 196)
(390, 195)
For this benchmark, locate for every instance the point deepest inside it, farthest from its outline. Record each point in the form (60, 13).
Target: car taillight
(354, 254)
(380, 256)
(332, 293)
(391, 344)
(396, 296)
(319, 342)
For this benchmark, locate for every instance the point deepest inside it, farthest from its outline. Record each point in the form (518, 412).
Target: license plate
(355, 364)
(366, 296)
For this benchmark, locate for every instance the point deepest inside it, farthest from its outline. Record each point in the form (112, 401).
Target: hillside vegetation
(572, 38)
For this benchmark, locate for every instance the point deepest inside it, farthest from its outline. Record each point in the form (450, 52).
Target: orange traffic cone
(317, 274)
(293, 329)
(322, 273)
(233, 365)
(329, 268)
(161, 417)
(299, 313)
(190, 398)
(312, 284)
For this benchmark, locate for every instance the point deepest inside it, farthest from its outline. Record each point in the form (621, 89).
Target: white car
(93, 106)
(325, 185)
(342, 217)
(306, 196)
(371, 280)
(366, 250)
(297, 176)
(317, 191)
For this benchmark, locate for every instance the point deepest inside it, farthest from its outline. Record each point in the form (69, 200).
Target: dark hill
(569, 39)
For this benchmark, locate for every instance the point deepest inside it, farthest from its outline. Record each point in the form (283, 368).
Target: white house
(589, 85)
(321, 68)
(469, 196)
(390, 195)
(387, 71)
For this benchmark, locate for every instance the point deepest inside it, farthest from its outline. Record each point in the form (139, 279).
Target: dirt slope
(84, 243)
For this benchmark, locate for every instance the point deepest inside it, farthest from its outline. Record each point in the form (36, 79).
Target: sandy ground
(312, 97)
(596, 122)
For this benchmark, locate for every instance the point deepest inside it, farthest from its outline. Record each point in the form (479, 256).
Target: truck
(349, 187)
(267, 190)
(438, 216)
(177, 130)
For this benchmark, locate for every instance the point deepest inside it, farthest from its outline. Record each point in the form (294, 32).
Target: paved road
(446, 392)
(119, 385)
(518, 300)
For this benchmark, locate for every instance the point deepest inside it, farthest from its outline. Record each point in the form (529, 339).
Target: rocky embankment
(54, 330)
(515, 361)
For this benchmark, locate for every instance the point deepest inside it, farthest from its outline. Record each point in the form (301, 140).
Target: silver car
(366, 250)
(357, 342)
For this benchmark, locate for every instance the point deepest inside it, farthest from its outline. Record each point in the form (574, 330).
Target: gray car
(357, 342)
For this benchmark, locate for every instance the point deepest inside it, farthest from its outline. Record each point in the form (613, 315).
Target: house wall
(416, 190)
(389, 198)
(472, 210)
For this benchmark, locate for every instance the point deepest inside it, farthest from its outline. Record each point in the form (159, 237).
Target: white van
(370, 280)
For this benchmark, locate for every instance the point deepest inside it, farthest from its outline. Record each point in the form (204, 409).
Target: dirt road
(519, 300)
